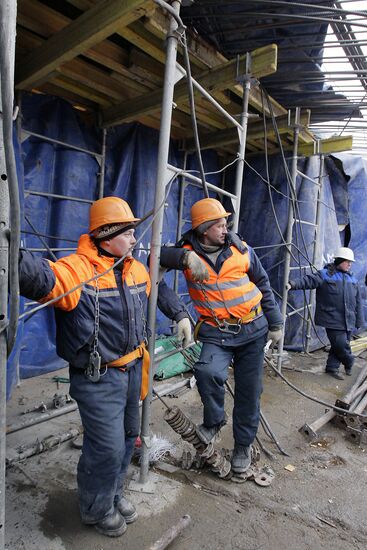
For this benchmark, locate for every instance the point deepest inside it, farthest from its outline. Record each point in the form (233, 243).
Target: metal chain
(145, 333)
(96, 316)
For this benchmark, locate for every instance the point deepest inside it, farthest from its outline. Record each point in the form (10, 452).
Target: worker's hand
(275, 335)
(198, 269)
(184, 331)
(288, 286)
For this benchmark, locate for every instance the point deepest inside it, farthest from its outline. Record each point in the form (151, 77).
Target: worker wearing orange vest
(237, 314)
(101, 332)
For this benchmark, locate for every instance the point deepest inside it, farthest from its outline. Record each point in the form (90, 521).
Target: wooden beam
(336, 144)
(217, 78)
(255, 130)
(81, 34)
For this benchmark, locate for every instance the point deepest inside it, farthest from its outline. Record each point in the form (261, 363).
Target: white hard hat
(345, 253)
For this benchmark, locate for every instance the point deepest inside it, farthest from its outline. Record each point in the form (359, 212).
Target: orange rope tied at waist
(140, 351)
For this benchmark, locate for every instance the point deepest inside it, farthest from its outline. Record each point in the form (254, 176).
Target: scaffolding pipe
(163, 151)
(9, 219)
(61, 143)
(197, 181)
(291, 216)
(246, 85)
(316, 249)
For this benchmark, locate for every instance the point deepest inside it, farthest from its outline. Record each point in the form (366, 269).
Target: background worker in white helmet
(101, 333)
(237, 314)
(338, 308)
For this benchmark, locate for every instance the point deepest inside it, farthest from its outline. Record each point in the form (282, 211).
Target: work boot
(208, 434)
(127, 510)
(335, 374)
(241, 458)
(348, 372)
(113, 525)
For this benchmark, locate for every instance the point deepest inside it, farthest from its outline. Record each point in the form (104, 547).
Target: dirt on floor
(315, 501)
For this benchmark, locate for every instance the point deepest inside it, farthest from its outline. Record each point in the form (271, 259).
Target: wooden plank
(336, 144)
(75, 99)
(136, 34)
(80, 89)
(81, 34)
(216, 78)
(255, 130)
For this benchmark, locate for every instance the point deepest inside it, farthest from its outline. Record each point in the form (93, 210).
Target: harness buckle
(230, 328)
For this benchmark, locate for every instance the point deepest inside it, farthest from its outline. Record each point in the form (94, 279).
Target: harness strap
(140, 351)
(229, 321)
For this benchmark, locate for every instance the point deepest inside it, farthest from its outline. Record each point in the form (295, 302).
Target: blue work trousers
(340, 351)
(211, 373)
(109, 410)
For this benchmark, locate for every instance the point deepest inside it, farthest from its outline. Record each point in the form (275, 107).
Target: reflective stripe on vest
(229, 292)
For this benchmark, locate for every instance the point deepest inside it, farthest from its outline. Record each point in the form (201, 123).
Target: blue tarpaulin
(131, 159)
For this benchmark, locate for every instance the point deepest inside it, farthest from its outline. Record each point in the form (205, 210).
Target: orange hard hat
(110, 210)
(207, 210)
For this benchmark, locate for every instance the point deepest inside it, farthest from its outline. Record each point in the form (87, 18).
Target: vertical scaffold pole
(291, 216)
(8, 191)
(246, 84)
(4, 274)
(317, 243)
(163, 150)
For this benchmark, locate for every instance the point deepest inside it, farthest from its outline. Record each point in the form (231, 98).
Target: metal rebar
(42, 417)
(172, 533)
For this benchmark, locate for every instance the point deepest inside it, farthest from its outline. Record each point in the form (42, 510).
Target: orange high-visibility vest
(229, 292)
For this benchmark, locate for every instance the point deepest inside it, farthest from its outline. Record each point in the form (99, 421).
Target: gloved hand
(288, 286)
(198, 269)
(184, 331)
(275, 335)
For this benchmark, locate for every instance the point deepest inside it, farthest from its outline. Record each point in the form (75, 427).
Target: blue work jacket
(338, 301)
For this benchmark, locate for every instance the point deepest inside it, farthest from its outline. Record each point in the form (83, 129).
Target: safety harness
(93, 371)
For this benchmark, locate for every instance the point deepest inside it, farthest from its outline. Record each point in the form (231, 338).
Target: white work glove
(184, 331)
(288, 286)
(198, 269)
(275, 335)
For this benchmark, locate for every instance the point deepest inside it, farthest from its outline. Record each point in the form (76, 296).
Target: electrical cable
(310, 397)
(296, 210)
(193, 115)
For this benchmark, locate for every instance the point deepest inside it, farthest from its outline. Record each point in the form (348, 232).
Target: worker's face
(216, 234)
(121, 245)
(345, 266)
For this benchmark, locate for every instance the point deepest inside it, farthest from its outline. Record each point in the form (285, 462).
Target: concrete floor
(320, 505)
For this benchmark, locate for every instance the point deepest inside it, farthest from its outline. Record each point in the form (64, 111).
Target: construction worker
(101, 332)
(338, 308)
(237, 314)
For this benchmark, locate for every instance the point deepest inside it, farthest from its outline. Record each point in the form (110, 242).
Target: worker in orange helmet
(101, 332)
(237, 314)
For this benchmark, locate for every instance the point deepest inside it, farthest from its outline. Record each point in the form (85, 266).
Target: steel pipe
(156, 240)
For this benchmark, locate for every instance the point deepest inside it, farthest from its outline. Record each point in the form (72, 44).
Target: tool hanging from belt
(231, 325)
(93, 371)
